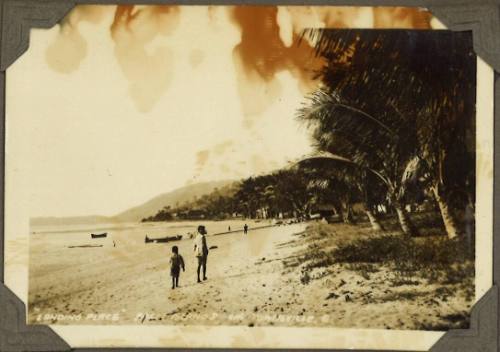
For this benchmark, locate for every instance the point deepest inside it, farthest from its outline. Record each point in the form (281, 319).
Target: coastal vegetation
(392, 122)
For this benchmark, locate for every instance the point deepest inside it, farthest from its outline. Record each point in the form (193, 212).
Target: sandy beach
(250, 282)
(132, 279)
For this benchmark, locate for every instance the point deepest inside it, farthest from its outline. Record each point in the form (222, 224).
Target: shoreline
(132, 225)
(254, 280)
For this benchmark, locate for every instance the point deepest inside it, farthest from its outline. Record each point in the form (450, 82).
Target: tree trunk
(347, 215)
(337, 205)
(340, 213)
(450, 223)
(404, 221)
(376, 226)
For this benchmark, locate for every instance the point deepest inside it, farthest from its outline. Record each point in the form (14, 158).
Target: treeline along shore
(394, 136)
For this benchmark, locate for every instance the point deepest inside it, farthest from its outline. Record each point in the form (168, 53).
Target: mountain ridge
(137, 213)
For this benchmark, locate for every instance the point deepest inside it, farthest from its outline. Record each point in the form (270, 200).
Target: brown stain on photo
(69, 48)
(261, 55)
(201, 159)
(218, 150)
(258, 58)
(222, 148)
(162, 19)
(328, 16)
(224, 169)
(196, 57)
(259, 163)
(212, 12)
(149, 73)
(401, 17)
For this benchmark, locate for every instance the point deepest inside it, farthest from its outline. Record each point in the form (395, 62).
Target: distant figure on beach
(201, 251)
(229, 228)
(245, 229)
(176, 263)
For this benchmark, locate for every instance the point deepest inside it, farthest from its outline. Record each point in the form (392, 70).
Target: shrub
(436, 258)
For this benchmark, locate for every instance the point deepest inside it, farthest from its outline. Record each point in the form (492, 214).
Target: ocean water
(121, 234)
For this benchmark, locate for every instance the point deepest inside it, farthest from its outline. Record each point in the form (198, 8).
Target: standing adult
(201, 251)
(245, 229)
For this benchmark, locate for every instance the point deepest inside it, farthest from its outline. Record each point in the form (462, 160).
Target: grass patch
(451, 321)
(404, 282)
(420, 251)
(363, 269)
(435, 258)
(403, 296)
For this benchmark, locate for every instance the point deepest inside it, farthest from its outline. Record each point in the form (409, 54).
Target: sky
(116, 105)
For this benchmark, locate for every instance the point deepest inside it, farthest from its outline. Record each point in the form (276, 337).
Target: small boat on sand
(86, 246)
(99, 235)
(162, 239)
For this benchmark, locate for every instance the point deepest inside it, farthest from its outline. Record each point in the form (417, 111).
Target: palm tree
(396, 102)
(357, 137)
(348, 181)
(292, 193)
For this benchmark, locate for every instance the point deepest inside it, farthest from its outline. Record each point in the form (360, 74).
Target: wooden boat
(162, 239)
(99, 235)
(86, 246)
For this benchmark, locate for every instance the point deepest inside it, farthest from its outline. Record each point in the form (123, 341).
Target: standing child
(201, 251)
(176, 263)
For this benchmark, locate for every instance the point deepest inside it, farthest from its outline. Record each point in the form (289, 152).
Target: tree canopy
(401, 105)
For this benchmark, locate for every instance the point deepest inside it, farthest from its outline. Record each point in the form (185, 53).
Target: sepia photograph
(249, 166)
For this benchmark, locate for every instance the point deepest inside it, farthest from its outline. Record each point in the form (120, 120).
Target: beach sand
(248, 284)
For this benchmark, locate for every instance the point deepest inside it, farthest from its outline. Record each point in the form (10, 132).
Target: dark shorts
(202, 260)
(175, 272)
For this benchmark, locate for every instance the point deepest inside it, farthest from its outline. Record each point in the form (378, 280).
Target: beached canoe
(99, 235)
(163, 239)
(87, 246)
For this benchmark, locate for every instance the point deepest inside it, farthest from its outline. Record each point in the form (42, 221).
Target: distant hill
(179, 196)
(197, 207)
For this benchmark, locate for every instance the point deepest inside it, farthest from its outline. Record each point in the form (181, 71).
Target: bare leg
(198, 269)
(204, 268)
